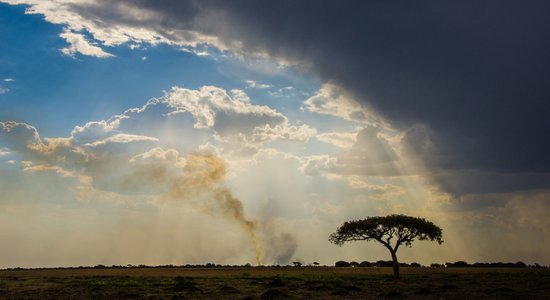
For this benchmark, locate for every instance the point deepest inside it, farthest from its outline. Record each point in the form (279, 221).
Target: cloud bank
(466, 73)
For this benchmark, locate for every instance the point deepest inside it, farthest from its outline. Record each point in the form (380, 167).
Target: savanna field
(276, 283)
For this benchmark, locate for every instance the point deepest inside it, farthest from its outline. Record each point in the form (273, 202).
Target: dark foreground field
(275, 283)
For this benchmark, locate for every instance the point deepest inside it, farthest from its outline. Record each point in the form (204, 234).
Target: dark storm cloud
(477, 75)
(468, 182)
(473, 74)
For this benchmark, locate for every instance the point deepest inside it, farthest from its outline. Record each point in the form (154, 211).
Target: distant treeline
(458, 264)
(140, 266)
(364, 264)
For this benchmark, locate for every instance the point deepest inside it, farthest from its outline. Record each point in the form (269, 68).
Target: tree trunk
(395, 264)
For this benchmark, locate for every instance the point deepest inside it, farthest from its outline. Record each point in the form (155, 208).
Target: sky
(233, 132)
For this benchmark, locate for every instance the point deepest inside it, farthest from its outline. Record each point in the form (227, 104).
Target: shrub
(342, 263)
(366, 264)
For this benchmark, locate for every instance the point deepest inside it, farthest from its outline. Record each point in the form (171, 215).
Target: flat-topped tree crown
(391, 231)
(383, 229)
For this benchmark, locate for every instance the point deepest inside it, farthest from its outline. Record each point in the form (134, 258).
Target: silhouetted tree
(297, 264)
(383, 263)
(400, 228)
(342, 264)
(521, 264)
(366, 264)
(458, 264)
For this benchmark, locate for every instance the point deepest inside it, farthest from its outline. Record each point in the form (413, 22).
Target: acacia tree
(392, 231)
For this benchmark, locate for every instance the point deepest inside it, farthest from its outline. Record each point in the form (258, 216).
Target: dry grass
(252, 271)
(273, 283)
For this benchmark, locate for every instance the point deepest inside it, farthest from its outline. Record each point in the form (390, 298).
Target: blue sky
(59, 92)
(126, 123)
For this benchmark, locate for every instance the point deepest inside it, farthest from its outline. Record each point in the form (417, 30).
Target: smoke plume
(202, 178)
(122, 168)
(282, 245)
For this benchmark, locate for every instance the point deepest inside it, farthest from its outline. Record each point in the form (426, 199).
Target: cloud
(376, 191)
(332, 100)
(121, 138)
(5, 90)
(370, 148)
(400, 69)
(233, 118)
(252, 84)
(240, 95)
(466, 73)
(17, 136)
(287, 91)
(79, 44)
(4, 152)
(115, 24)
(482, 107)
(467, 182)
(214, 108)
(42, 154)
(370, 155)
(30, 167)
(284, 132)
(338, 139)
(317, 164)
(94, 165)
(95, 130)
(200, 115)
(207, 115)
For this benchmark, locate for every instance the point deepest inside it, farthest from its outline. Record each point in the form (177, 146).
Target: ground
(275, 283)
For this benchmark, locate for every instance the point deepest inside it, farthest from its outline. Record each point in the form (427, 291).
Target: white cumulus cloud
(79, 44)
(252, 84)
(112, 24)
(184, 120)
(122, 138)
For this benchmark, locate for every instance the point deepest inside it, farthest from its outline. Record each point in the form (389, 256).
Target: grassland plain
(275, 283)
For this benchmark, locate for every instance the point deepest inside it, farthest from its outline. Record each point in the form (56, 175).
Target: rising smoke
(202, 177)
(195, 179)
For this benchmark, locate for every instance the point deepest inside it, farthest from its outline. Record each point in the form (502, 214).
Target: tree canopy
(391, 231)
